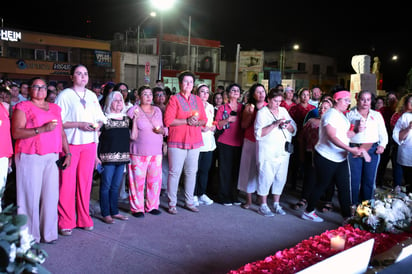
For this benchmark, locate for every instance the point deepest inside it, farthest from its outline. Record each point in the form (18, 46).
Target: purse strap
(274, 117)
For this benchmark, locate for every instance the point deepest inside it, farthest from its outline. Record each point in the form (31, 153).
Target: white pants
(273, 174)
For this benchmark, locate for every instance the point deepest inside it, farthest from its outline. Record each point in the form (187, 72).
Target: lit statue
(361, 63)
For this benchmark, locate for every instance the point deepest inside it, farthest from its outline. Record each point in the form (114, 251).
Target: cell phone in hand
(233, 113)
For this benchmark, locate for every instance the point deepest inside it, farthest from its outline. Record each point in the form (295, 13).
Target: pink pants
(75, 188)
(145, 171)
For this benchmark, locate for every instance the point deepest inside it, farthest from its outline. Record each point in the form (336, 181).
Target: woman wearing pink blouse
(145, 169)
(184, 115)
(38, 131)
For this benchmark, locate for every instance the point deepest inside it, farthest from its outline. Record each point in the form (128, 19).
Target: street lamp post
(161, 5)
(283, 59)
(152, 14)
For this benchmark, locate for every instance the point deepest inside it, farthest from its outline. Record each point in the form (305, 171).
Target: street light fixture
(283, 59)
(152, 14)
(161, 5)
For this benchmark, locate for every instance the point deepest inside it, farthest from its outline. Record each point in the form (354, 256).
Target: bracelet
(69, 154)
(36, 130)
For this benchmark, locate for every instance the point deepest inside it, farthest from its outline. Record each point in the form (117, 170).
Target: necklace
(82, 100)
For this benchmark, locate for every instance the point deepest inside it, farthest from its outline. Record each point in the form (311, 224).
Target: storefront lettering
(62, 66)
(9, 35)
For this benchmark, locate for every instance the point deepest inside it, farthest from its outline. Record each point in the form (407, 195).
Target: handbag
(219, 132)
(60, 162)
(288, 145)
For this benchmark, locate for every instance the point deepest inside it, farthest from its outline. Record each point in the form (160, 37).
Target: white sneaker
(265, 211)
(204, 200)
(195, 201)
(311, 216)
(279, 210)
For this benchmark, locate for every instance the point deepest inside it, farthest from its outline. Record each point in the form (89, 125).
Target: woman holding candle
(38, 131)
(184, 117)
(82, 118)
(114, 153)
(145, 169)
(371, 134)
(248, 174)
(229, 145)
(330, 157)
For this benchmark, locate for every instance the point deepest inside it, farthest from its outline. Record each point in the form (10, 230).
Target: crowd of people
(213, 146)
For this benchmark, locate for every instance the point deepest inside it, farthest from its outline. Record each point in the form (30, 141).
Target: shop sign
(9, 35)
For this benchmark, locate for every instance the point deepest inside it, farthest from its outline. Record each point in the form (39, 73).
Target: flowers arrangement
(389, 212)
(318, 248)
(18, 251)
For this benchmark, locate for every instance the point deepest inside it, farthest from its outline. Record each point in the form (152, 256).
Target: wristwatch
(36, 130)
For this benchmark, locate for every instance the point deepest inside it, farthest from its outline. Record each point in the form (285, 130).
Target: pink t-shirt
(147, 143)
(6, 148)
(233, 136)
(43, 143)
(184, 136)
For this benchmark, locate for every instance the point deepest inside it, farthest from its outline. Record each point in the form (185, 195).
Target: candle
(337, 242)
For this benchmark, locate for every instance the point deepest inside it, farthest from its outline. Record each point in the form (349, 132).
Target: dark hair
(233, 85)
(31, 81)
(301, 90)
(73, 68)
(117, 86)
(158, 89)
(274, 93)
(186, 73)
(250, 97)
(144, 87)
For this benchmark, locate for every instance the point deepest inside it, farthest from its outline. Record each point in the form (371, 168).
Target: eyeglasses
(37, 87)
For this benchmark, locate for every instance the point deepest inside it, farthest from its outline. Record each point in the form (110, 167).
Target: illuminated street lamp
(152, 14)
(161, 5)
(283, 59)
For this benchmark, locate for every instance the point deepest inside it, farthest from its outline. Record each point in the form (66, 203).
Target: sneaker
(227, 204)
(204, 200)
(311, 216)
(237, 203)
(279, 210)
(195, 200)
(265, 211)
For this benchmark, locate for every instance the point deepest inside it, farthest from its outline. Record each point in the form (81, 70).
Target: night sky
(340, 31)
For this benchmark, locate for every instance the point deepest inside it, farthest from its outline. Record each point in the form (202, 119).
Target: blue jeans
(109, 188)
(363, 175)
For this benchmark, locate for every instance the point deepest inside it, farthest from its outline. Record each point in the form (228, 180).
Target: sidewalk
(215, 240)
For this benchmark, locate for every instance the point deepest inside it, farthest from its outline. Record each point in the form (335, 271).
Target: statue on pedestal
(361, 63)
(375, 70)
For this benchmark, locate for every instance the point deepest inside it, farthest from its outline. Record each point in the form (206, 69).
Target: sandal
(327, 207)
(172, 210)
(245, 206)
(301, 204)
(120, 217)
(108, 220)
(65, 232)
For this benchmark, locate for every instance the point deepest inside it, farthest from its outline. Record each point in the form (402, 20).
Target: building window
(301, 67)
(53, 55)
(316, 69)
(330, 70)
(40, 54)
(28, 54)
(14, 52)
(62, 57)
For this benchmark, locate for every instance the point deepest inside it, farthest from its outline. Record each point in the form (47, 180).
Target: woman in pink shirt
(184, 116)
(229, 145)
(145, 169)
(38, 131)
